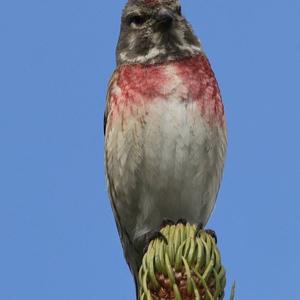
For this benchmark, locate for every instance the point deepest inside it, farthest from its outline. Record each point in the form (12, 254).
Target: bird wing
(110, 182)
(111, 81)
(128, 247)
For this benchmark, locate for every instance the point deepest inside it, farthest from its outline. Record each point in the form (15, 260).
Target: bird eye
(178, 10)
(136, 20)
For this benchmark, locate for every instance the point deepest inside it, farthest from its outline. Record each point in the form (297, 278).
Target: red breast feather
(137, 84)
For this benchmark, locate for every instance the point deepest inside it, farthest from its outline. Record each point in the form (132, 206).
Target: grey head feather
(154, 31)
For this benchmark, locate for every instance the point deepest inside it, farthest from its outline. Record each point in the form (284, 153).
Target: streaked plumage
(165, 139)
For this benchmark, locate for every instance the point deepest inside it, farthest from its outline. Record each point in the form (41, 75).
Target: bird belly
(164, 161)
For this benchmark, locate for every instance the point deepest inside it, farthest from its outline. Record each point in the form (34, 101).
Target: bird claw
(153, 235)
(181, 221)
(211, 232)
(166, 222)
(170, 222)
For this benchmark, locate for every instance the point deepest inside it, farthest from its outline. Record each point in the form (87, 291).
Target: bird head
(154, 31)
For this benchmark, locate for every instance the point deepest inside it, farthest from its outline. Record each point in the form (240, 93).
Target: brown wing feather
(128, 247)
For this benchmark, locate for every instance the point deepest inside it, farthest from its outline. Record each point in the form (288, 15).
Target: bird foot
(166, 222)
(170, 222)
(181, 221)
(153, 235)
(212, 233)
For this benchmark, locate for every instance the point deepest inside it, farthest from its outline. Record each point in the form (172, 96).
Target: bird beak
(165, 17)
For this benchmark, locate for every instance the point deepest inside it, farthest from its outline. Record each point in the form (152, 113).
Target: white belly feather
(166, 162)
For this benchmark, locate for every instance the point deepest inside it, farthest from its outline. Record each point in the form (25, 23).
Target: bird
(164, 125)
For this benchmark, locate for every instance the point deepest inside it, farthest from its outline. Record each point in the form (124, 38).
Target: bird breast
(165, 142)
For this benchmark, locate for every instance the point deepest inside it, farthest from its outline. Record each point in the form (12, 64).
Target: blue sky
(57, 233)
